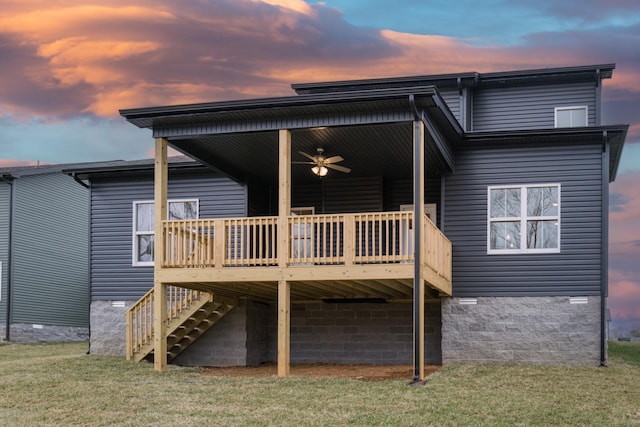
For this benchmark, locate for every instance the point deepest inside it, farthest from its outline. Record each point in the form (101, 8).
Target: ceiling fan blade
(338, 168)
(303, 163)
(334, 159)
(308, 156)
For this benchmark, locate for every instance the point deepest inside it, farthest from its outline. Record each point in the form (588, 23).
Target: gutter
(7, 329)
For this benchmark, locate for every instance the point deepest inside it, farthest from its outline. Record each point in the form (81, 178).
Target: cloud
(68, 59)
(586, 11)
(624, 246)
(624, 295)
(4, 163)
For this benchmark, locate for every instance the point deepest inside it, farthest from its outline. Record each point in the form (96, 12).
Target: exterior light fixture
(320, 170)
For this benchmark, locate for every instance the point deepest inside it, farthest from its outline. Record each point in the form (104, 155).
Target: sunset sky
(68, 66)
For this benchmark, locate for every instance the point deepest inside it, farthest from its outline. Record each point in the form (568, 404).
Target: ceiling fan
(322, 164)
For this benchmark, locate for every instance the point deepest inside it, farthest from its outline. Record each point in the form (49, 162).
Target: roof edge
(470, 78)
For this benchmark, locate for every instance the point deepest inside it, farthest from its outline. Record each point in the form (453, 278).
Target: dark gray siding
(112, 275)
(452, 99)
(573, 271)
(529, 107)
(340, 195)
(5, 205)
(50, 251)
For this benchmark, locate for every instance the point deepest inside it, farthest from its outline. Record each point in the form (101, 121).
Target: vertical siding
(50, 256)
(5, 207)
(573, 271)
(112, 275)
(529, 107)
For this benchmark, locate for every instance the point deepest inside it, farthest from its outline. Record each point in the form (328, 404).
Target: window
(143, 222)
(524, 219)
(571, 117)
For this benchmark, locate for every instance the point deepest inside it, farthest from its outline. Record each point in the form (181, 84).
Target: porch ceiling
(371, 150)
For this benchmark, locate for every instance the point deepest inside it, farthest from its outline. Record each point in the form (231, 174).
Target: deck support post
(284, 328)
(284, 287)
(418, 253)
(159, 288)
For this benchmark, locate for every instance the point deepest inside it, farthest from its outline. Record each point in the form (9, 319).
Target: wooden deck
(362, 255)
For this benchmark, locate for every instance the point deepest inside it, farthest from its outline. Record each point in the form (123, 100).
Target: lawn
(58, 384)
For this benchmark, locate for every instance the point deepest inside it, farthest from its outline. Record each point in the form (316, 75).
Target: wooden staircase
(190, 314)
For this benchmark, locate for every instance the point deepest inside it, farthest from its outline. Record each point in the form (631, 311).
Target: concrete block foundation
(540, 330)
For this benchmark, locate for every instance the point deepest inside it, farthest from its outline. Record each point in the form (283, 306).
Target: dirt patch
(319, 370)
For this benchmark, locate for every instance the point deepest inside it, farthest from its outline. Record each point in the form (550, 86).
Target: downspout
(7, 328)
(417, 231)
(88, 187)
(604, 280)
(79, 181)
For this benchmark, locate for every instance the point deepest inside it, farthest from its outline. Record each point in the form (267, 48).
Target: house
(442, 218)
(44, 279)
(121, 194)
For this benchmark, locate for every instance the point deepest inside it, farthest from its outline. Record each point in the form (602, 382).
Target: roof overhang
(613, 135)
(467, 79)
(370, 129)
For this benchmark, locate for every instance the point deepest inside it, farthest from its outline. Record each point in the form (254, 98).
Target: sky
(68, 66)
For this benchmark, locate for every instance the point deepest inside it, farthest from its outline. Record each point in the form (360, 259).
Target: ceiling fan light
(320, 170)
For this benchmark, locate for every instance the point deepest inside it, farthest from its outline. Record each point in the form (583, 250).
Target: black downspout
(88, 187)
(7, 328)
(417, 231)
(604, 280)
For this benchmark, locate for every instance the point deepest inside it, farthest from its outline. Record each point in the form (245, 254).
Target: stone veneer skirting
(24, 333)
(541, 330)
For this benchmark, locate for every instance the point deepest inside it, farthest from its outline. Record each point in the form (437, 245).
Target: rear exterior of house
(44, 264)
(507, 173)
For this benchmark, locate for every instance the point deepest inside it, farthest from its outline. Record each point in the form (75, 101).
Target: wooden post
(159, 288)
(284, 195)
(284, 328)
(349, 239)
(219, 247)
(418, 237)
(284, 287)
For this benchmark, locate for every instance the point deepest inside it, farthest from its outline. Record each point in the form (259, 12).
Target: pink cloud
(100, 58)
(9, 163)
(624, 296)
(624, 247)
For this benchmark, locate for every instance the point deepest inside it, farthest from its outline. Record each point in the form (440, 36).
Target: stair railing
(139, 317)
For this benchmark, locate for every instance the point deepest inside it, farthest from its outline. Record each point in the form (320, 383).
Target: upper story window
(571, 117)
(523, 219)
(143, 223)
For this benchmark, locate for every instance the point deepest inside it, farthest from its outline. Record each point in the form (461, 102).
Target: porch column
(159, 288)
(284, 328)
(284, 287)
(418, 263)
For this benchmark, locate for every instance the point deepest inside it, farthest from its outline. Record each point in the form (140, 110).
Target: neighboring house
(321, 253)
(121, 194)
(44, 276)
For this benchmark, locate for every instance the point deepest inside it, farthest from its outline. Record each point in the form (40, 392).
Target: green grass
(58, 384)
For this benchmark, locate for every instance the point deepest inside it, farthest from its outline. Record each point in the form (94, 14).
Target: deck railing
(139, 316)
(342, 239)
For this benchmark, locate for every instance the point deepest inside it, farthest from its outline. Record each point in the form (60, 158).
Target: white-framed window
(143, 223)
(571, 117)
(523, 219)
